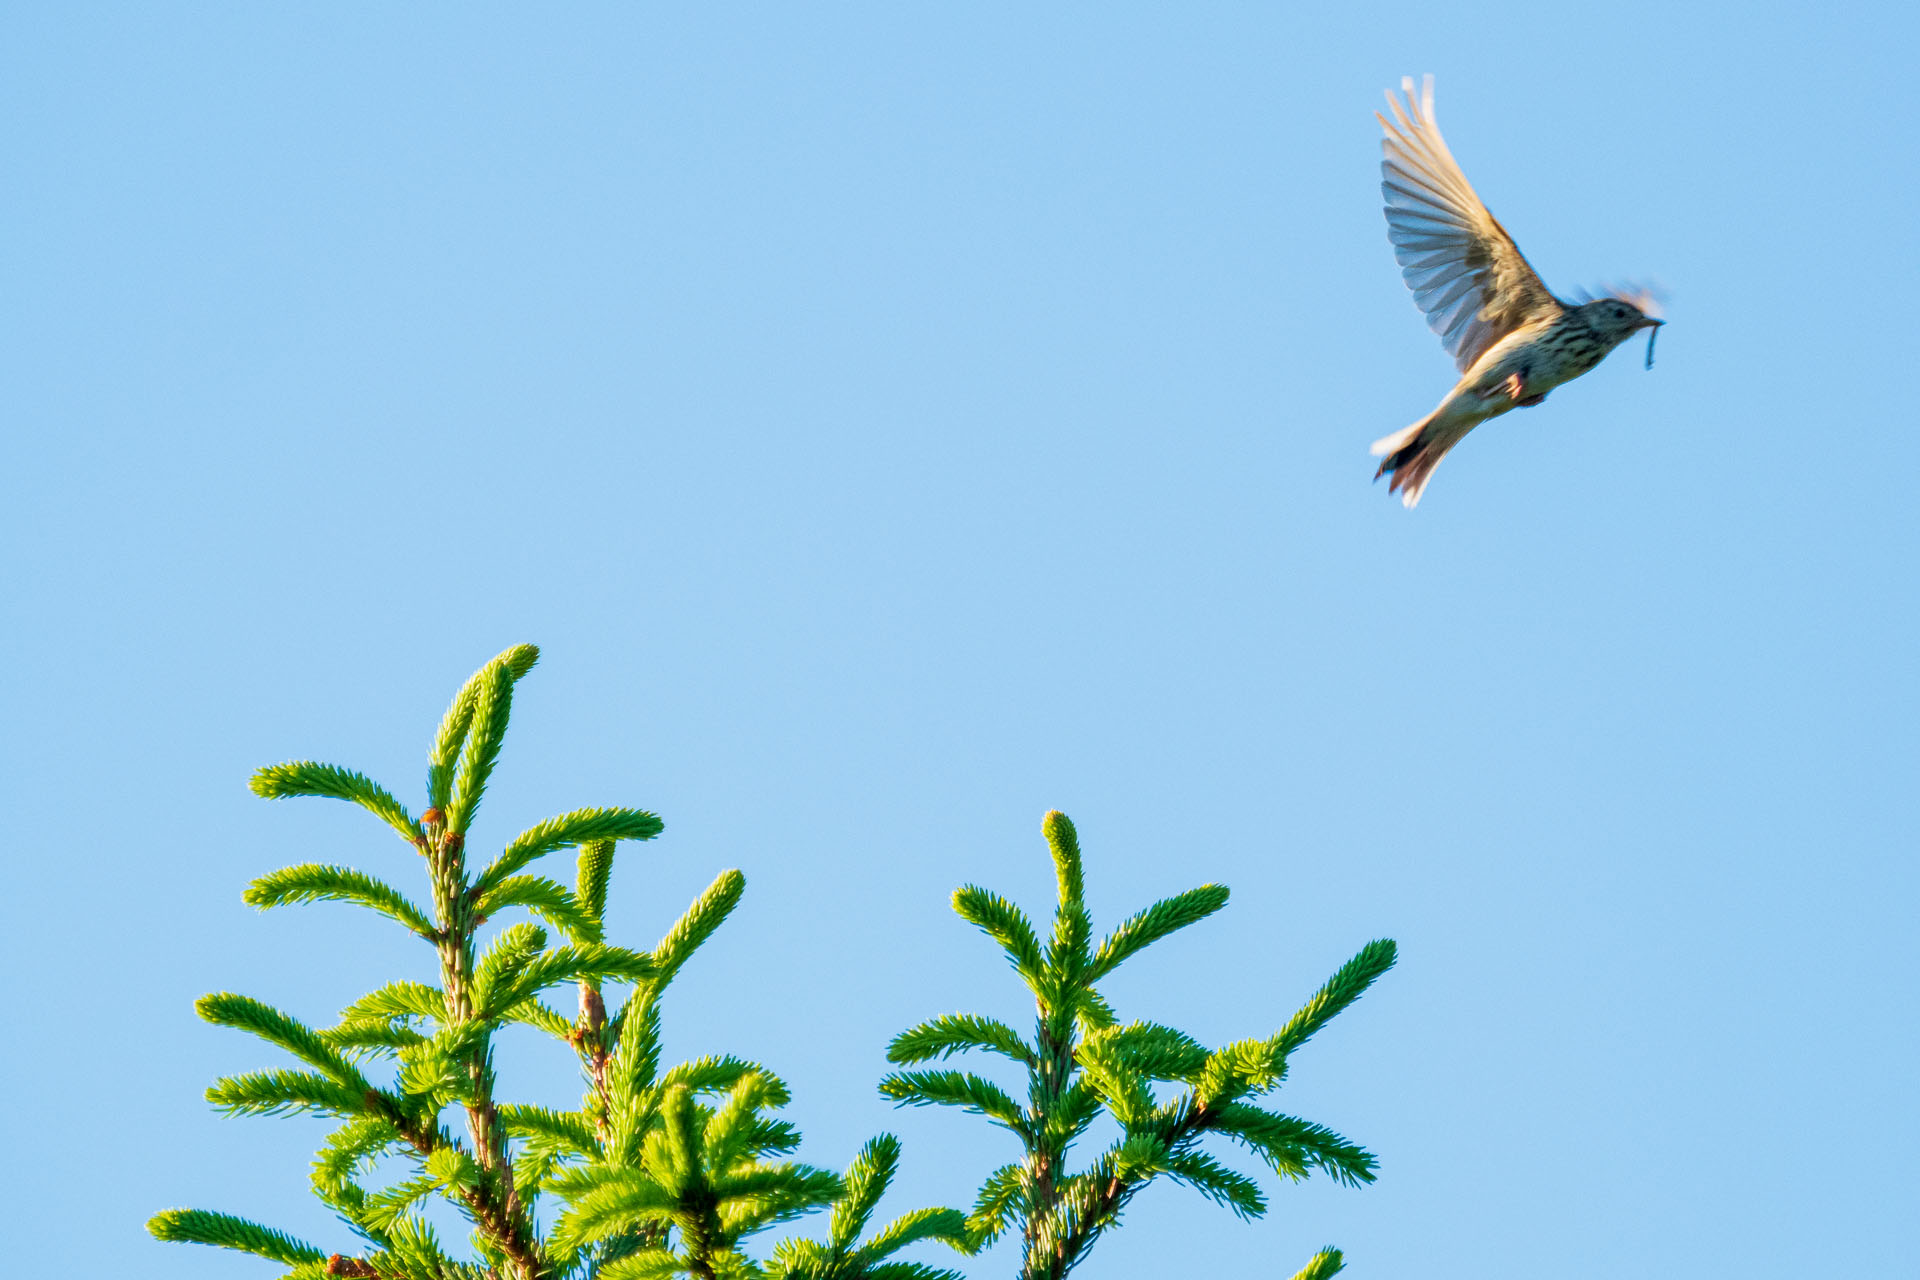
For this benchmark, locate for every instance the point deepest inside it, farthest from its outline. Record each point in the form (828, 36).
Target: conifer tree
(662, 1171)
(1083, 1064)
(673, 1170)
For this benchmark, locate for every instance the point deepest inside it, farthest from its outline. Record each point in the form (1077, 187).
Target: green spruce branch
(682, 1169)
(664, 1170)
(1165, 1092)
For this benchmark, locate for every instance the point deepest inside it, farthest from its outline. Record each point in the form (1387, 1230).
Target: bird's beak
(1648, 322)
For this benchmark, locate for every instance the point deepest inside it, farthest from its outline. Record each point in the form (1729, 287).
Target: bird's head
(1622, 313)
(1617, 318)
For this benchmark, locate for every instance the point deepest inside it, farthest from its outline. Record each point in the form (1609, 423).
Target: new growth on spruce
(1164, 1092)
(662, 1171)
(677, 1170)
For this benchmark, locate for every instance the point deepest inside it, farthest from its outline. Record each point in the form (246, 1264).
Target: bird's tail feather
(1409, 457)
(1398, 440)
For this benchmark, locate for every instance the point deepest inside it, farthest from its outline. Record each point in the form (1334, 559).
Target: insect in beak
(1653, 331)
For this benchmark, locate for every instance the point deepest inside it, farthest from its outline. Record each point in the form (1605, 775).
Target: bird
(1511, 338)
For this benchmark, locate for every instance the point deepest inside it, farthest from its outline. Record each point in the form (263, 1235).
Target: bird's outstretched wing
(1464, 269)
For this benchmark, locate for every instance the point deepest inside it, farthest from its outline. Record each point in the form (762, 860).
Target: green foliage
(594, 874)
(548, 899)
(1293, 1147)
(865, 1183)
(595, 963)
(305, 778)
(497, 980)
(197, 1226)
(1164, 1091)
(663, 1170)
(1153, 924)
(315, 883)
(493, 704)
(1063, 843)
(1346, 986)
(1323, 1265)
(1007, 925)
(1003, 1198)
(701, 1175)
(1214, 1180)
(228, 1010)
(698, 923)
(560, 1129)
(399, 1000)
(844, 1257)
(955, 1089)
(678, 1169)
(583, 826)
(269, 1093)
(1150, 1050)
(453, 734)
(956, 1033)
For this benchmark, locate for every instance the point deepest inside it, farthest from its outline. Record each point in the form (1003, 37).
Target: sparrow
(1512, 340)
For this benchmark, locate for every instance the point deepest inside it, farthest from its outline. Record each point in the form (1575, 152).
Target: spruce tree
(675, 1170)
(1083, 1065)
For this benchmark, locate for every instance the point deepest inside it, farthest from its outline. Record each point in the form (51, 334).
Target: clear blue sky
(893, 424)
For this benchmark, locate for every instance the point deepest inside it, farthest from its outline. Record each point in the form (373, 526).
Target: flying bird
(1512, 339)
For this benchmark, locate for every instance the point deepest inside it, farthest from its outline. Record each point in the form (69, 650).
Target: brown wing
(1464, 269)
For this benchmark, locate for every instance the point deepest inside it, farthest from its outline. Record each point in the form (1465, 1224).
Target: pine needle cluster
(675, 1170)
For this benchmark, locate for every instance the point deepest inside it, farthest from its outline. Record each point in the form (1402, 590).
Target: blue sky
(893, 424)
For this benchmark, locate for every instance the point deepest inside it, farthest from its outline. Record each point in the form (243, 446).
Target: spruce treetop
(679, 1170)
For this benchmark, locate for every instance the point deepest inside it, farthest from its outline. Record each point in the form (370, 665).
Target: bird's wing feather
(1464, 269)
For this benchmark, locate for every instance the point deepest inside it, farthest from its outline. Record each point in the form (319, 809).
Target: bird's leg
(1516, 391)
